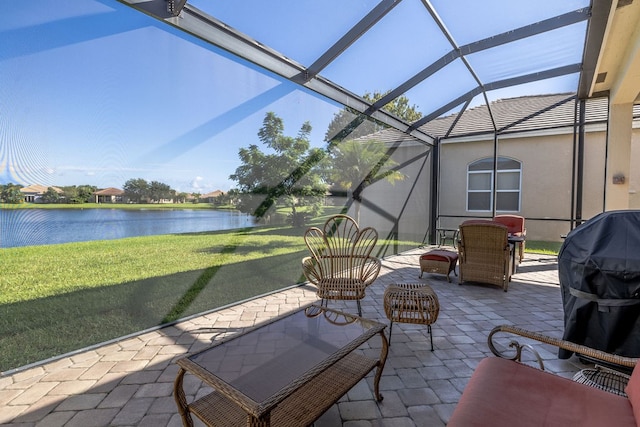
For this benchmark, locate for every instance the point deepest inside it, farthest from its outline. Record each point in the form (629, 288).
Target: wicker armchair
(484, 253)
(515, 226)
(594, 355)
(610, 372)
(341, 265)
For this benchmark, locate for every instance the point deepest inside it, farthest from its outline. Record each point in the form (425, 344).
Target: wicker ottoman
(411, 303)
(439, 261)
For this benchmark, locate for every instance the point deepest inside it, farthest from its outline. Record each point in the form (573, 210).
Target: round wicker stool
(411, 303)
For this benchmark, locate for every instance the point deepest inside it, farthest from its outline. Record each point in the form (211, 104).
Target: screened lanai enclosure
(408, 115)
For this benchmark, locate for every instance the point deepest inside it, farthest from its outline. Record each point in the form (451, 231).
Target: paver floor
(130, 382)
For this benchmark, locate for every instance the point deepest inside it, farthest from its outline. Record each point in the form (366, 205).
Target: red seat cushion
(502, 392)
(514, 223)
(633, 391)
(440, 255)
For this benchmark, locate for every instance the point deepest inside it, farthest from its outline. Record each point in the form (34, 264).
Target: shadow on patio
(130, 382)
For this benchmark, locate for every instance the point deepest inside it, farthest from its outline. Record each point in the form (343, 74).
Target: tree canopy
(136, 189)
(357, 159)
(139, 190)
(10, 193)
(351, 124)
(286, 172)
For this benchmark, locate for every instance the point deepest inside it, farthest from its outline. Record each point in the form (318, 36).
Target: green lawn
(540, 247)
(58, 298)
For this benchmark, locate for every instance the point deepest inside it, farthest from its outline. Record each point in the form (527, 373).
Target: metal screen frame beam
(376, 14)
(540, 27)
(500, 84)
(209, 29)
(593, 45)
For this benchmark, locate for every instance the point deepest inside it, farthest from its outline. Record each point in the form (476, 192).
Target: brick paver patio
(130, 382)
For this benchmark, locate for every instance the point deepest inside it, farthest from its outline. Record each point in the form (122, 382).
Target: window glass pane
(487, 164)
(508, 180)
(479, 181)
(507, 201)
(506, 163)
(479, 201)
(483, 164)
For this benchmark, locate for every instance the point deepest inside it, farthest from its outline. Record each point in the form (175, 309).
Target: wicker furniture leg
(181, 400)
(413, 303)
(384, 351)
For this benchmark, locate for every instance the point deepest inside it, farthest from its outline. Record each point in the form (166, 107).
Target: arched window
(480, 185)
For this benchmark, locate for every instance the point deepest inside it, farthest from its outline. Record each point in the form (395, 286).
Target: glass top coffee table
(287, 372)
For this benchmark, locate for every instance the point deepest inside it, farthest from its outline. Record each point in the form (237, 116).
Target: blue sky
(96, 93)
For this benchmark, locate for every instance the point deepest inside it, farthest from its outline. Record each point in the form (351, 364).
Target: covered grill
(599, 270)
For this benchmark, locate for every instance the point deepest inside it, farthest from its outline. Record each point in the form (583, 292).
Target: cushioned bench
(439, 261)
(505, 392)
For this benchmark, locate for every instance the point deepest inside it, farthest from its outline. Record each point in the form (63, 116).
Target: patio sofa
(505, 392)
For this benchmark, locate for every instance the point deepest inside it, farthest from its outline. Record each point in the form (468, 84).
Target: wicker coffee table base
(302, 408)
(411, 303)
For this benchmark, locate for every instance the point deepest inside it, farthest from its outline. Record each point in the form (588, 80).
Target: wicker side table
(411, 303)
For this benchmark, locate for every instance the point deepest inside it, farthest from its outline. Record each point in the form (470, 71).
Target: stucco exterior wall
(546, 183)
(634, 175)
(546, 179)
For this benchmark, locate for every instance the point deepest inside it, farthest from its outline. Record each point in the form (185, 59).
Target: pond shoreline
(133, 206)
(36, 227)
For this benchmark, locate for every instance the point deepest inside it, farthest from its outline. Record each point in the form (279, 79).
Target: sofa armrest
(588, 352)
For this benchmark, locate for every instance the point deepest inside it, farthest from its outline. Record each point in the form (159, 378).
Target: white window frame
(489, 190)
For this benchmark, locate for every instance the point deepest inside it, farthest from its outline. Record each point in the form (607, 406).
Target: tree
(351, 124)
(357, 164)
(51, 196)
(228, 198)
(181, 197)
(10, 193)
(85, 193)
(289, 174)
(136, 190)
(71, 194)
(158, 191)
(357, 159)
(79, 194)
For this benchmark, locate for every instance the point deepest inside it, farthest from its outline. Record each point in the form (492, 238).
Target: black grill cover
(599, 271)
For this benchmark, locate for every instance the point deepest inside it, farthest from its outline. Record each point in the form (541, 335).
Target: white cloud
(196, 182)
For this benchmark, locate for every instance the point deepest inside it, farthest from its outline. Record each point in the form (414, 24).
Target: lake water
(26, 227)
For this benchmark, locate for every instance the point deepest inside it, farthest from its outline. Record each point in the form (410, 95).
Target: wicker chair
(341, 265)
(515, 226)
(484, 253)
